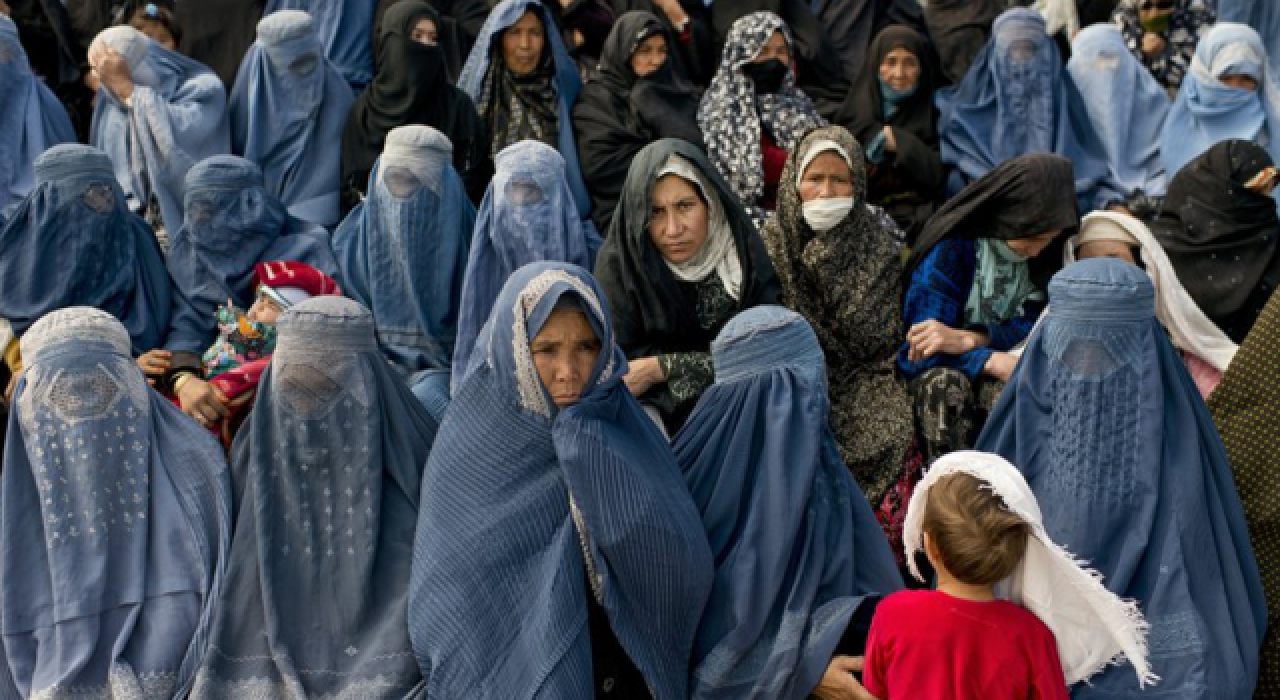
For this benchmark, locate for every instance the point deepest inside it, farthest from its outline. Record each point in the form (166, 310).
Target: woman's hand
(674, 12)
(1000, 366)
(890, 142)
(929, 338)
(838, 682)
(1152, 45)
(203, 401)
(114, 73)
(643, 375)
(155, 362)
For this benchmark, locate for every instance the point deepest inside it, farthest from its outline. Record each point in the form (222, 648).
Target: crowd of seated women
(616, 348)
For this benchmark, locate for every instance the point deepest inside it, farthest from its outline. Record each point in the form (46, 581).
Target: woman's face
(1264, 183)
(775, 47)
(900, 70)
(678, 219)
(424, 32)
(522, 44)
(1107, 249)
(564, 352)
(264, 310)
(649, 56)
(1033, 246)
(828, 176)
(158, 33)
(1242, 82)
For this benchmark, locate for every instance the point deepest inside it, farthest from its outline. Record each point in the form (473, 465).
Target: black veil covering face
(411, 87)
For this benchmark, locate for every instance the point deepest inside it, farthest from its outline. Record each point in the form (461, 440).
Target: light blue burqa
(288, 109)
(31, 118)
(177, 119)
(115, 523)
(346, 28)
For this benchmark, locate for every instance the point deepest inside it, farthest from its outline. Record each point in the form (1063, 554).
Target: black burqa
(1221, 236)
(410, 87)
(959, 29)
(653, 312)
(56, 52)
(820, 73)
(910, 182)
(618, 114)
(694, 52)
(1023, 197)
(217, 33)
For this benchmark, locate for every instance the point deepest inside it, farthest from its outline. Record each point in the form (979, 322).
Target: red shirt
(926, 645)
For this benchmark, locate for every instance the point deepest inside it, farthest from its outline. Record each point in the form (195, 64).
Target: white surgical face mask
(822, 215)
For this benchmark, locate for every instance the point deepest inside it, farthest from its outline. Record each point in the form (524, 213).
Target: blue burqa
(527, 509)
(796, 546)
(1016, 99)
(326, 471)
(115, 523)
(178, 119)
(1127, 108)
(1110, 431)
(1262, 15)
(288, 110)
(1209, 111)
(403, 250)
(31, 118)
(526, 216)
(567, 85)
(74, 242)
(232, 224)
(346, 28)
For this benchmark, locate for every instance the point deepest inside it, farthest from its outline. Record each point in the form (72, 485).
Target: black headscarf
(959, 29)
(411, 87)
(219, 33)
(852, 24)
(618, 113)
(863, 110)
(696, 59)
(1221, 236)
(534, 92)
(1023, 197)
(454, 38)
(819, 72)
(651, 312)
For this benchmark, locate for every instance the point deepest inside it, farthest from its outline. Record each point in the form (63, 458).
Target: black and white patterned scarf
(731, 113)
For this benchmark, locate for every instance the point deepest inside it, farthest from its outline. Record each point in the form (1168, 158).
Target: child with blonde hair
(1014, 616)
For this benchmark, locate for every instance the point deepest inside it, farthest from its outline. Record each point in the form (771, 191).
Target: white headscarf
(1094, 627)
(1189, 329)
(719, 253)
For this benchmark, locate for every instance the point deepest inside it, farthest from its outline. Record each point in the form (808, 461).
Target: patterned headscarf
(731, 113)
(846, 283)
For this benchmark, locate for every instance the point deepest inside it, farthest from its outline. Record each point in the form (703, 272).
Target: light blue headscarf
(403, 250)
(1208, 111)
(1262, 15)
(326, 470)
(232, 224)
(346, 28)
(178, 119)
(1127, 108)
(288, 110)
(74, 242)
(568, 84)
(31, 118)
(796, 546)
(527, 215)
(1110, 431)
(1015, 100)
(528, 509)
(115, 523)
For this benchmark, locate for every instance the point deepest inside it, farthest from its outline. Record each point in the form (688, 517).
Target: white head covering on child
(1093, 627)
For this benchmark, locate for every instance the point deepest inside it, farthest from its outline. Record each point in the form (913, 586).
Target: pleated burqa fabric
(1110, 431)
(528, 509)
(115, 524)
(796, 546)
(326, 472)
